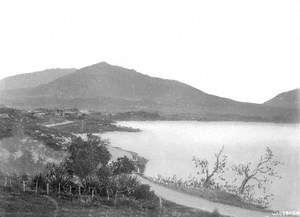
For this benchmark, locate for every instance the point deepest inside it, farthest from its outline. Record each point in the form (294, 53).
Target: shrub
(122, 184)
(142, 192)
(57, 174)
(215, 213)
(87, 156)
(103, 174)
(122, 165)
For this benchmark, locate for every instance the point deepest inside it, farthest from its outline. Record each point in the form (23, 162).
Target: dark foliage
(122, 165)
(87, 156)
(104, 174)
(40, 181)
(143, 192)
(57, 175)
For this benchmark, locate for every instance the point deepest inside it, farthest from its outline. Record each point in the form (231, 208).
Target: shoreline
(193, 192)
(244, 205)
(190, 192)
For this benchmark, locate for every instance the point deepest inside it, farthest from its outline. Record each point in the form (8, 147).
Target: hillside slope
(109, 88)
(33, 79)
(289, 99)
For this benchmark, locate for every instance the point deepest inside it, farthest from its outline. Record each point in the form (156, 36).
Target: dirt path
(58, 124)
(200, 203)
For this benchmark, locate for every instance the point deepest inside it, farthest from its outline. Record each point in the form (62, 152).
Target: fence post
(79, 190)
(24, 186)
(93, 194)
(58, 188)
(160, 202)
(107, 194)
(36, 186)
(115, 200)
(47, 188)
(160, 206)
(70, 189)
(5, 182)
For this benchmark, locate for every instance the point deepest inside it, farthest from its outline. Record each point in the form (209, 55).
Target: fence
(24, 184)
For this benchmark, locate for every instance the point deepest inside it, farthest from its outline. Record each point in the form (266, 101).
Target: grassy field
(29, 204)
(24, 204)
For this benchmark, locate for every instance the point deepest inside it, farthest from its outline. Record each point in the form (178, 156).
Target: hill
(33, 79)
(108, 88)
(289, 99)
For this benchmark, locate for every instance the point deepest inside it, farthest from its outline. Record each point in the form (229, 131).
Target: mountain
(108, 88)
(33, 79)
(289, 99)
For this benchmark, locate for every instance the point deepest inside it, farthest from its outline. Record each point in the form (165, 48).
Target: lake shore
(213, 195)
(210, 195)
(164, 142)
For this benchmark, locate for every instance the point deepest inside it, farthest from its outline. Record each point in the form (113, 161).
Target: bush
(57, 174)
(122, 165)
(103, 174)
(122, 184)
(143, 192)
(87, 156)
(215, 213)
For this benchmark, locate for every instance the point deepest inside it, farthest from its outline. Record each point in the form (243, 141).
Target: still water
(170, 146)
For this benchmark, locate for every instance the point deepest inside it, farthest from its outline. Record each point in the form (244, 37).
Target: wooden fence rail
(17, 184)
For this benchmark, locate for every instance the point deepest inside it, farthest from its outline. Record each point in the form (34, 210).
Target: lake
(170, 146)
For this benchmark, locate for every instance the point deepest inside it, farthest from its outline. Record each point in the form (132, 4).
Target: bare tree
(260, 172)
(203, 166)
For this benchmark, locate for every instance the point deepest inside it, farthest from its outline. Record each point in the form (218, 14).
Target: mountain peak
(99, 64)
(112, 88)
(103, 63)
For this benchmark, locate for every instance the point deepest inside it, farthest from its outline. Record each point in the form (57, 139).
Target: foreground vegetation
(87, 183)
(17, 204)
(30, 204)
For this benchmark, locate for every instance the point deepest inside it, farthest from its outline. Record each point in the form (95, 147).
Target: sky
(244, 50)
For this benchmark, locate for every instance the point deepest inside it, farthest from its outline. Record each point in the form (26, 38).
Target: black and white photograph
(135, 108)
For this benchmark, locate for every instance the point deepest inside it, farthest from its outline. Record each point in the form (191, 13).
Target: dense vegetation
(30, 204)
(91, 178)
(89, 169)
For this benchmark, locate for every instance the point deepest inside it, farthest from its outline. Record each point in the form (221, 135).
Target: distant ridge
(34, 79)
(109, 88)
(289, 99)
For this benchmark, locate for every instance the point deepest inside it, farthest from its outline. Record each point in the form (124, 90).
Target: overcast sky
(244, 50)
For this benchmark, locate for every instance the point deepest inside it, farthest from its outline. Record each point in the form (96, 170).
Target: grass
(16, 204)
